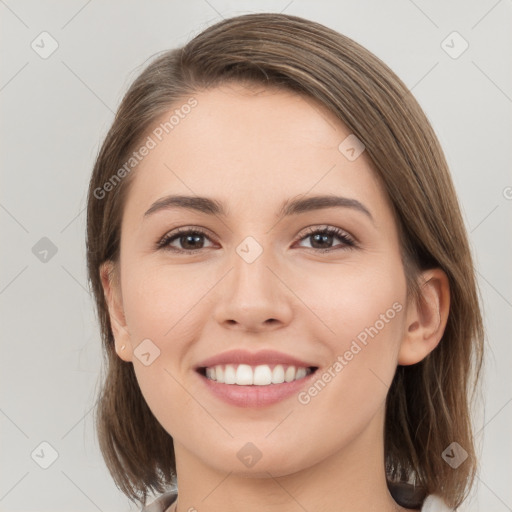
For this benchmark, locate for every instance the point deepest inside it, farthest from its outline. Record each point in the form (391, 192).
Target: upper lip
(253, 359)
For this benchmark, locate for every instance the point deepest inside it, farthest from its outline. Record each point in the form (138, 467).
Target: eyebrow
(290, 207)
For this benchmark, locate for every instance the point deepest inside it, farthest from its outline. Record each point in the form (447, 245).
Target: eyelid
(349, 240)
(174, 234)
(326, 227)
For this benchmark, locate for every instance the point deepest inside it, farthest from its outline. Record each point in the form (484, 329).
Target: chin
(249, 461)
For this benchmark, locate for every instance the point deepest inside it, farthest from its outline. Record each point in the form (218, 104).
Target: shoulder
(161, 504)
(435, 503)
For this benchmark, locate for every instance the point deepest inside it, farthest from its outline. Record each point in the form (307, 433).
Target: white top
(432, 503)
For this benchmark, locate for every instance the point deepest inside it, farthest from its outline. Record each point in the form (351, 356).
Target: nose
(253, 297)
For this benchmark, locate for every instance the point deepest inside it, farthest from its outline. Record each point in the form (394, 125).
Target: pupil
(191, 237)
(325, 237)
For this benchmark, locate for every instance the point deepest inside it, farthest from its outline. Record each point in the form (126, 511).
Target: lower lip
(255, 396)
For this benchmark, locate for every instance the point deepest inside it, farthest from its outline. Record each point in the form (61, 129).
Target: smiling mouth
(258, 375)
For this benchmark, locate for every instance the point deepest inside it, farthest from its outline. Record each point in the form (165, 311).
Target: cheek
(362, 312)
(159, 299)
(159, 305)
(351, 298)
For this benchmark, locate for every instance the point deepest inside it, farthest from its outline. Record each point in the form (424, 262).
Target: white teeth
(278, 374)
(244, 375)
(289, 375)
(229, 374)
(300, 374)
(261, 375)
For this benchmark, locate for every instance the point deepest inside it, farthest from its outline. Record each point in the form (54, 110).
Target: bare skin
(252, 149)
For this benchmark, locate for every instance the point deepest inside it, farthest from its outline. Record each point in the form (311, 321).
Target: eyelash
(348, 241)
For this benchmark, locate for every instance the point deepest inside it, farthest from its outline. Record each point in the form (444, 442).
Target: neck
(350, 480)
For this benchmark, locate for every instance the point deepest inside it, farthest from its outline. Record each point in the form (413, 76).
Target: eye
(324, 236)
(189, 239)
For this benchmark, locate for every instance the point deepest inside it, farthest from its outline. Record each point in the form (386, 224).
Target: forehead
(251, 146)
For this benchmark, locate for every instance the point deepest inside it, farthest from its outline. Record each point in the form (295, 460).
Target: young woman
(287, 299)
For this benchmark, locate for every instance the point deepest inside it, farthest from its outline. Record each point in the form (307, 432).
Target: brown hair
(428, 404)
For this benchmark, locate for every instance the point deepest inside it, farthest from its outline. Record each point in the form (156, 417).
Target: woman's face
(263, 279)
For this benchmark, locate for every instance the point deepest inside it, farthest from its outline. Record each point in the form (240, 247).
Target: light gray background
(54, 113)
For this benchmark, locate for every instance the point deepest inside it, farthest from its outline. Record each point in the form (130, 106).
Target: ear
(426, 320)
(112, 292)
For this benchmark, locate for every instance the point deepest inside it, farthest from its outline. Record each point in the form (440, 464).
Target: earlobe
(426, 320)
(112, 292)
